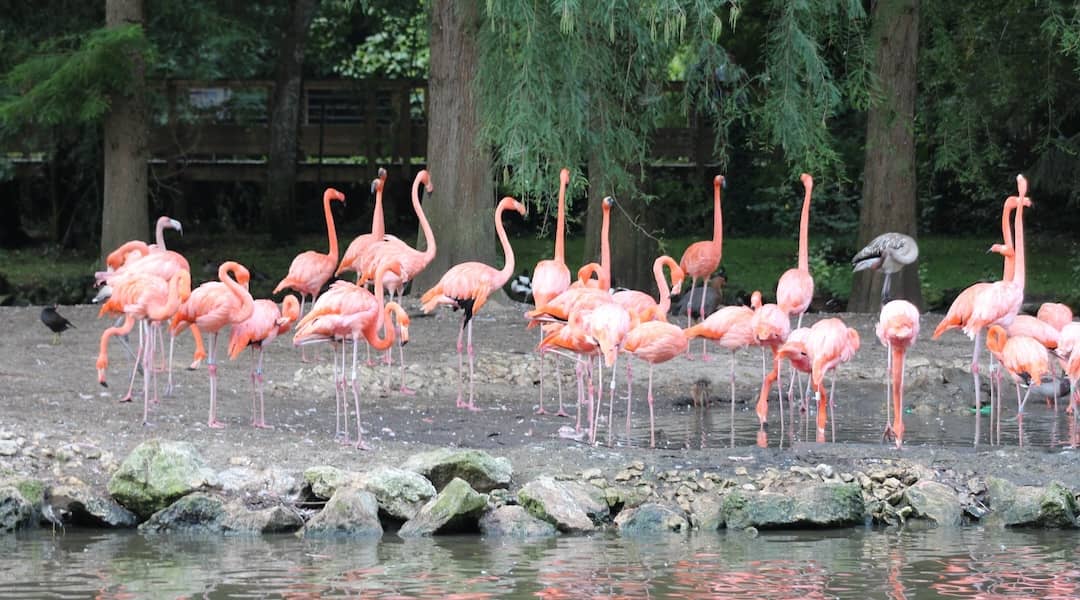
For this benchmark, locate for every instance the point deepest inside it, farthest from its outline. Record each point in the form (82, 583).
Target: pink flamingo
(266, 322)
(829, 343)
(795, 289)
(365, 240)
(1022, 356)
(897, 329)
(701, 259)
(731, 328)
(1068, 351)
(310, 270)
(1056, 314)
(603, 270)
(142, 298)
(213, 306)
(467, 286)
(550, 278)
(654, 342)
(642, 305)
(771, 326)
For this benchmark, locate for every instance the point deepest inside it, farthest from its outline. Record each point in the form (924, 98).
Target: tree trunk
(124, 212)
(889, 202)
(285, 106)
(462, 206)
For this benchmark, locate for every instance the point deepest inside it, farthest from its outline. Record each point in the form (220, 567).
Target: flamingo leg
(148, 359)
(541, 411)
(169, 381)
(975, 378)
(888, 433)
(139, 360)
(732, 378)
(701, 314)
(360, 444)
(211, 368)
(611, 406)
(257, 377)
(460, 366)
(629, 393)
(832, 407)
(652, 422)
(404, 389)
(689, 311)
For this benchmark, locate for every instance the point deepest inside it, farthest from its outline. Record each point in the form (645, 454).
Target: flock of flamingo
(582, 319)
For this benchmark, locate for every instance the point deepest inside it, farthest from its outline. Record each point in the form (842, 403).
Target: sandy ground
(66, 424)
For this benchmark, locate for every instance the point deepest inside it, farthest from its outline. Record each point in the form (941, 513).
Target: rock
(823, 505)
(197, 513)
(479, 469)
(935, 502)
(273, 482)
(272, 519)
(457, 507)
(651, 519)
(350, 512)
(706, 514)
(514, 521)
(156, 473)
(1011, 505)
(15, 510)
(400, 493)
(82, 506)
(9, 447)
(571, 506)
(324, 480)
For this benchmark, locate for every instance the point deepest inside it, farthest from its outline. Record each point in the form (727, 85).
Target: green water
(852, 563)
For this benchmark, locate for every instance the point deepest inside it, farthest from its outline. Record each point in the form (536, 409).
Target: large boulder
(400, 493)
(156, 474)
(78, 504)
(479, 469)
(15, 511)
(934, 502)
(457, 507)
(324, 480)
(272, 482)
(651, 519)
(1053, 506)
(197, 513)
(823, 505)
(350, 512)
(513, 521)
(571, 506)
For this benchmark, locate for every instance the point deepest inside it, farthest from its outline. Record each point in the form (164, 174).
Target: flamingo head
(425, 178)
(377, 185)
(755, 300)
(1021, 185)
(792, 350)
(167, 223)
(609, 201)
(564, 177)
(509, 203)
(719, 182)
(1001, 249)
(332, 194)
(996, 338)
(290, 312)
(807, 181)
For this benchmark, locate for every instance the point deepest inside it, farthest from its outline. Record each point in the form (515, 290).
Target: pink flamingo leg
(652, 422)
(360, 444)
(541, 411)
(975, 377)
(147, 374)
(629, 393)
(472, 376)
(701, 312)
(257, 378)
(139, 359)
(689, 311)
(404, 389)
(211, 368)
(460, 367)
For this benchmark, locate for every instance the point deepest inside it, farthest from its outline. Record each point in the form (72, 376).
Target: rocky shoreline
(166, 487)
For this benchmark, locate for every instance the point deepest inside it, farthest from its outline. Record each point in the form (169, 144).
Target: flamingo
(341, 308)
(1022, 356)
(654, 342)
(1068, 351)
(771, 325)
(607, 327)
(141, 298)
(310, 270)
(363, 241)
(468, 285)
(551, 277)
(700, 259)
(572, 337)
(409, 260)
(213, 306)
(829, 343)
(731, 328)
(1056, 314)
(642, 305)
(603, 269)
(889, 252)
(897, 329)
(266, 322)
(795, 289)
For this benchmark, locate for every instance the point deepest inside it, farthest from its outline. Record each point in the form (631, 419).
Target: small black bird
(55, 322)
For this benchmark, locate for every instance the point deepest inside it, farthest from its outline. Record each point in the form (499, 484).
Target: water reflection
(847, 564)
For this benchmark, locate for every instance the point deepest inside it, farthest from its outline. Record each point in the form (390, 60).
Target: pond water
(851, 563)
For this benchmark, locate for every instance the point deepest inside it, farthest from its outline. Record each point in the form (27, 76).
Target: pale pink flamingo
(1022, 356)
(829, 343)
(310, 270)
(1056, 314)
(607, 326)
(701, 259)
(572, 337)
(1068, 351)
(143, 298)
(642, 305)
(771, 325)
(363, 241)
(654, 342)
(266, 322)
(213, 306)
(897, 329)
(731, 328)
(603, 273)
(550, 278)
(467, 286)
(795, 290)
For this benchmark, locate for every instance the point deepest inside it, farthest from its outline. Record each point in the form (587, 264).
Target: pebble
(8, 447)
(741, 471)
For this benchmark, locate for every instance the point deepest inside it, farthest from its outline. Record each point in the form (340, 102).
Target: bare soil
(52, 405)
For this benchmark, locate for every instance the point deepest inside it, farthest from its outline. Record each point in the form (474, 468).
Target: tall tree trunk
(285, 108)
(462, 206)
(889, 202)
(124, 212)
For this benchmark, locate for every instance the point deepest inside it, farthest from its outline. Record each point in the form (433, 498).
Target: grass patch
(949, 264)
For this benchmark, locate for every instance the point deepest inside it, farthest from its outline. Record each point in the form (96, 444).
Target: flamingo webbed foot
(215, 424)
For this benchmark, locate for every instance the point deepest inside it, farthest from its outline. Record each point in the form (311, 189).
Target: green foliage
(208, 39)
(73, 77)
(393, 39)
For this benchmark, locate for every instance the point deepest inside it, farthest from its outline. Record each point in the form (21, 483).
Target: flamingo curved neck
(605, 251)
(172, 304)
(378, 224)
(661, 284)
(1006, 235)
(508, 252)
(804, 236)
(247, 304)
(718, 220)
(1019, 266)
(429, 235)
(384, 325)
(560, 227)
(331, 232)
(159, 233)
